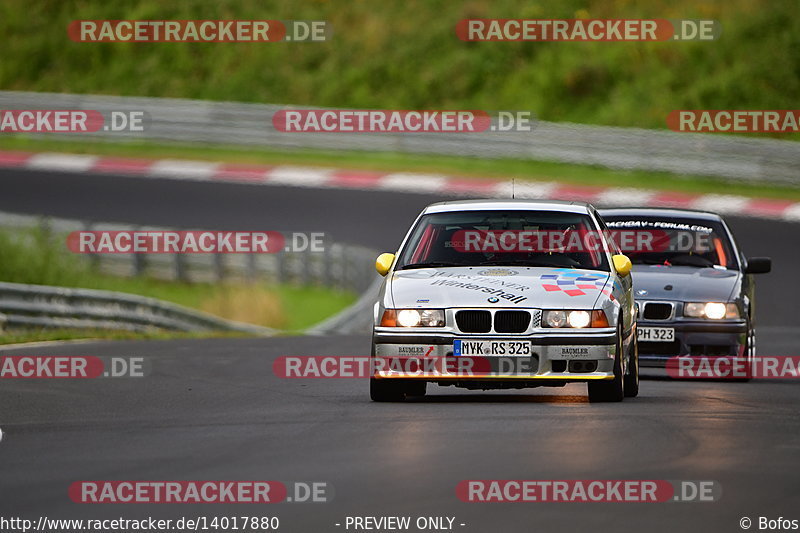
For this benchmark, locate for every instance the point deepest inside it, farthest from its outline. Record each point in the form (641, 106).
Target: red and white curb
(297, 176)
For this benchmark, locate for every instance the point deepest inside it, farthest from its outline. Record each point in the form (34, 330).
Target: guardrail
(343, 266)
(181, 120)
(24, 305)
(338, 266)
(355, 319)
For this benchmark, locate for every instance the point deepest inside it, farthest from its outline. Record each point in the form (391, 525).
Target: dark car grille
(657, 311)
(480, 321)
(712, 350)
(660, 348)
(474, 321)
(511, 321)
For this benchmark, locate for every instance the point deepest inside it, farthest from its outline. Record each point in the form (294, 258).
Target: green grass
(306, 306)
(38, 257)
(391, 162)
(404, 54)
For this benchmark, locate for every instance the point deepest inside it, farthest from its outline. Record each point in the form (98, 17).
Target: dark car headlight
(710, 310)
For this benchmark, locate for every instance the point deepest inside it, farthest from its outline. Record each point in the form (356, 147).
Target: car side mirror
(758, 265)
(383, 263)
(622, 264)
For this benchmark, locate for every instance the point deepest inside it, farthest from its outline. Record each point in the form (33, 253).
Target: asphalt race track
(213, 409)
(375, 219)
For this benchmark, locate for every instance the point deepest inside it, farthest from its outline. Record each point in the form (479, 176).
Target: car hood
(557, 288)
(687, 284)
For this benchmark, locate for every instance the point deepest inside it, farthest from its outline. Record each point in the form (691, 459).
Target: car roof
(509, 204)
(660, 212)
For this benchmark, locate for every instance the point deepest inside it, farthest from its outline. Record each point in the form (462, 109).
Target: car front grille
(657, 311)
(660, 348)
(504, 321)
(712, 350)
(511, 321)
(474, 321)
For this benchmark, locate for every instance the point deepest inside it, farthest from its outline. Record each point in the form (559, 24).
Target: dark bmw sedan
(693, 286)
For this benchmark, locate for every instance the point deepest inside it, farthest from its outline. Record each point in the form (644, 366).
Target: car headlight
(413, 318)
(579, 319)
(574, 319)
(710, 310)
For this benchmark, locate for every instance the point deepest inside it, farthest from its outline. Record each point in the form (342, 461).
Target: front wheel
(610, 390)
(395, 390)
(750, 356)
(386, 390)
(631, 380)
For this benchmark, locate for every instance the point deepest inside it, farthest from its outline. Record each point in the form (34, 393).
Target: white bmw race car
(487, 294)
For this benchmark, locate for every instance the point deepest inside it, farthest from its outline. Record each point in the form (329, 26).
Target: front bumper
(699, 338)
(554, 356)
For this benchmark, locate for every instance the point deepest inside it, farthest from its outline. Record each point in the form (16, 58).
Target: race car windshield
(673, 241)
(505, 238)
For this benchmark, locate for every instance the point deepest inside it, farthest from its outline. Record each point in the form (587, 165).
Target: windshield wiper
(432, 264)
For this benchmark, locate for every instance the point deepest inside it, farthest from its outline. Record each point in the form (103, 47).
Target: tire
(416, 388)
(749, 353)
(603, 391)
(631, 379)
(386, 390)
(395, 390)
